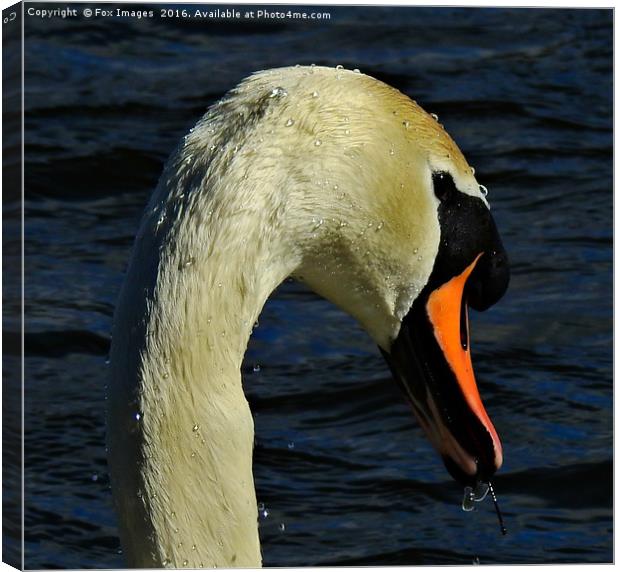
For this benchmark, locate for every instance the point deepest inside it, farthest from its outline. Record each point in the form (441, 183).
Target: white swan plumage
(322, 174)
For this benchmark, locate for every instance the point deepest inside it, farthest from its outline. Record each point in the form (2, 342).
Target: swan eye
(444, 186)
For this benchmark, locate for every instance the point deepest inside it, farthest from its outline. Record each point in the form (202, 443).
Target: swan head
(396, 230)
(383, 216)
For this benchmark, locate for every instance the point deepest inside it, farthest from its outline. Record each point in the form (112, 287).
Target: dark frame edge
(12, 287)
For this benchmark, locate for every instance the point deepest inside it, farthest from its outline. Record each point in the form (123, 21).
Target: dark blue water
(340, 461)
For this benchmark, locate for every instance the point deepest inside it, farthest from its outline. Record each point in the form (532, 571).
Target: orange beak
(448, 315)
(431, 360)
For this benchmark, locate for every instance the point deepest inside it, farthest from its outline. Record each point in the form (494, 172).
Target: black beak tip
(484, 473)
(458, 474)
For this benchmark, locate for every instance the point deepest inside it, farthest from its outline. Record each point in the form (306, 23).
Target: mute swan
(339, 180)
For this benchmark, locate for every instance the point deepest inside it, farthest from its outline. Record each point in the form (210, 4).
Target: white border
(437, 3)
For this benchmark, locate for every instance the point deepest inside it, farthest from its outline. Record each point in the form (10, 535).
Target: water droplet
(189, 262)
(391, 151)
(256, 368)
(137, 416)
(473, 171)
(278, 92)
(317, 223)
(481, 491)
(419, 259)
(195, 427)
(347, 131)
(435, 116)
(193, 547)
(165, 562)
(290, 122)
(476, 561)
(379, 226)
(282, 527)
(317, 143)
(342, 224)
(500, 518)
(261, 506)
(219, 284)
(315, 94)
(185, 563)
(339, 67)
(255, 325)
(193, 454)
(94, 477)
(356, 70)
(468, 499)
(291, 445)
(483, 190)
(406, 124)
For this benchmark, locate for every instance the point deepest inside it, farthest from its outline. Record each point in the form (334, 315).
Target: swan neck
(181, 432)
